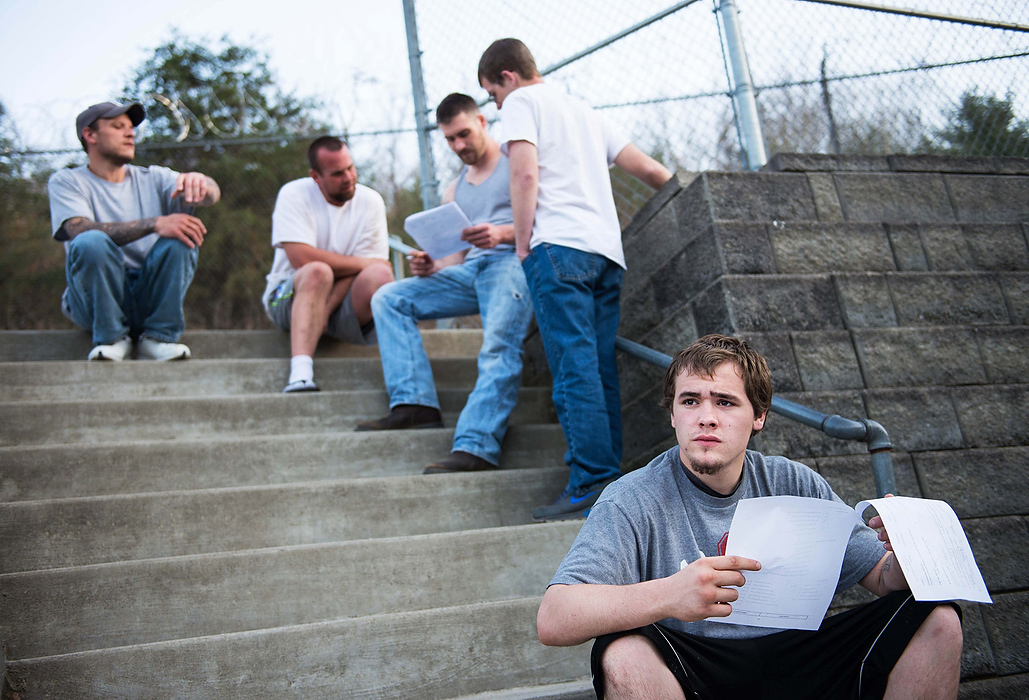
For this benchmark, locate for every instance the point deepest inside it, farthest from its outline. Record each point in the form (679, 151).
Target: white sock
(301, 368)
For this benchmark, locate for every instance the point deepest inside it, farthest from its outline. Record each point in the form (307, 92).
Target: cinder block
(644, 314)
(894, 197)
(997, 246)
(947, 298)
(919, 163)
(827, 361)
(745, 248)
(693, 206)
(985, 198)
(686, 274)
(802, 248)
(673, 333)
(1016, 295)
(662, 239)
(908, 254)
(1002, 688)
(636, 377)
(977, 654)
(1005, 353)
(1007, 622)
(761, 196)
(946, 247)
(977, 483)
(916, 419)
(644, 423)
(712, 310)
(824, 162)
(1012, 166)
(853, 480)
(993, 416)
(827, 201)
(778, 352)
(783, 303)
(642, 218)
(899, 357)
(782, 436)
(865, 300)
(1001, 549)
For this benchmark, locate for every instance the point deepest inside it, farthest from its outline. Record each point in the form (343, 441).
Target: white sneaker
(300, 385)
(115, 352)
(150, 349)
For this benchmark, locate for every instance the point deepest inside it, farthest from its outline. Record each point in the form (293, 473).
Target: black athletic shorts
(849, 656)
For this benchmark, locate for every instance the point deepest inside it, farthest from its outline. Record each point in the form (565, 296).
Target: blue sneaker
(571, 505)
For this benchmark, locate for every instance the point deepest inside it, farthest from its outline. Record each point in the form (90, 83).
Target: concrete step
(428, 655)
(78, 381)
(575, 690)
(36, 346)
(79, 531)
(60, 611)
(68, 471)
(177, 418)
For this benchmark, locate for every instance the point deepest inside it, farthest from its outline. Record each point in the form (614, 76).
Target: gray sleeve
(67, 200)
(163, 181)
(607, 550)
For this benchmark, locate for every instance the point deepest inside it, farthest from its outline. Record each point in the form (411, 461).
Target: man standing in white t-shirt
(331, 255)
(568, 238)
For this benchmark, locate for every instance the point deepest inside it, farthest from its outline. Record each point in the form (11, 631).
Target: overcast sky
(59, 56)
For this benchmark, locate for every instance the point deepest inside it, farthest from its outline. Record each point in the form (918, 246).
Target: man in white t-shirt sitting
(331, 255)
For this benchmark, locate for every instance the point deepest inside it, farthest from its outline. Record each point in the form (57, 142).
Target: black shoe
(571, 505)
(458, 461)
(403, 417)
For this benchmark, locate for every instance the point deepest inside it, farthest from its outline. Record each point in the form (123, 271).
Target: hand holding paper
(438, 231)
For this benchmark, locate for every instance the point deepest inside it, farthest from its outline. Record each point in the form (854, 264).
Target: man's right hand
(421, 264)
(183, 227)
(700, 590)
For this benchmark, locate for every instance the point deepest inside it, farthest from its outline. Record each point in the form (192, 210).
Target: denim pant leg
(161, 288)
(96, 293)
(565, 284)
(607, 307)
(397, 307)
(505, 307)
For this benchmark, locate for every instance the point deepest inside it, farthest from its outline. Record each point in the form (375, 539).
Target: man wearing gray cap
(130, 239)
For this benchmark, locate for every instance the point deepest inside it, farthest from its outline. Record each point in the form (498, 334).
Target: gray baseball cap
(108, 110)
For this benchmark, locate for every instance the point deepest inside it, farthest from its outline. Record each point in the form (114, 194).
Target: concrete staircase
(894, 288)
(184, 530)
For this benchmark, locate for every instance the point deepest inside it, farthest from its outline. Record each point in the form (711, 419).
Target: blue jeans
(490, 285)
(575, 295)
(112, 301)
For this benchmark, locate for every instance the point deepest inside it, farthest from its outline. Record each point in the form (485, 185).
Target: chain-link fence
(826, 78)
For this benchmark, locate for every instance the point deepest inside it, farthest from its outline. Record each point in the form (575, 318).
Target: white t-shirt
(575, 207)
(302, 215)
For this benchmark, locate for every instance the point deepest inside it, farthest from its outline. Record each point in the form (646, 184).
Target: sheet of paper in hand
(931, 547)
(438, 231)
(800, 543)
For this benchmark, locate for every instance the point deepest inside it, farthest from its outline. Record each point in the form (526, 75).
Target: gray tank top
(489, 201)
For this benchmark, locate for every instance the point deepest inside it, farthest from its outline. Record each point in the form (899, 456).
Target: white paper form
(800, 543)
(438, 231)
(931, 547)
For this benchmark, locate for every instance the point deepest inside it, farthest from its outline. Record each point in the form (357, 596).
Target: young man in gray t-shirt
(649, 568)
(130, 239)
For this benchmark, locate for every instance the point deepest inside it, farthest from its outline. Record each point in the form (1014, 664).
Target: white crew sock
(301, 368)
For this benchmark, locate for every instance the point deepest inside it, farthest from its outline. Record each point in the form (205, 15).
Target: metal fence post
(430, 198)
(752, 141)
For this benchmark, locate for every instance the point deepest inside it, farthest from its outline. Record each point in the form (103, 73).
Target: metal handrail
(868, 431)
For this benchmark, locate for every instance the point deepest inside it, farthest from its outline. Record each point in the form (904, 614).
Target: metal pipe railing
(868, 431)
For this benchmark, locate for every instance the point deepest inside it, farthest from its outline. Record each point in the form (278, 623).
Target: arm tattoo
(886, 568)
(121, 232)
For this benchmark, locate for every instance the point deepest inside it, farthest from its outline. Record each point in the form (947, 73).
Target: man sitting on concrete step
(486, 279)
(130, 239)
(648, 570)
(331, 254)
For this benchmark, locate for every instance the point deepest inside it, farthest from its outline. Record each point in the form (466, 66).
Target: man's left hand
(192, 187)
(483, 235)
